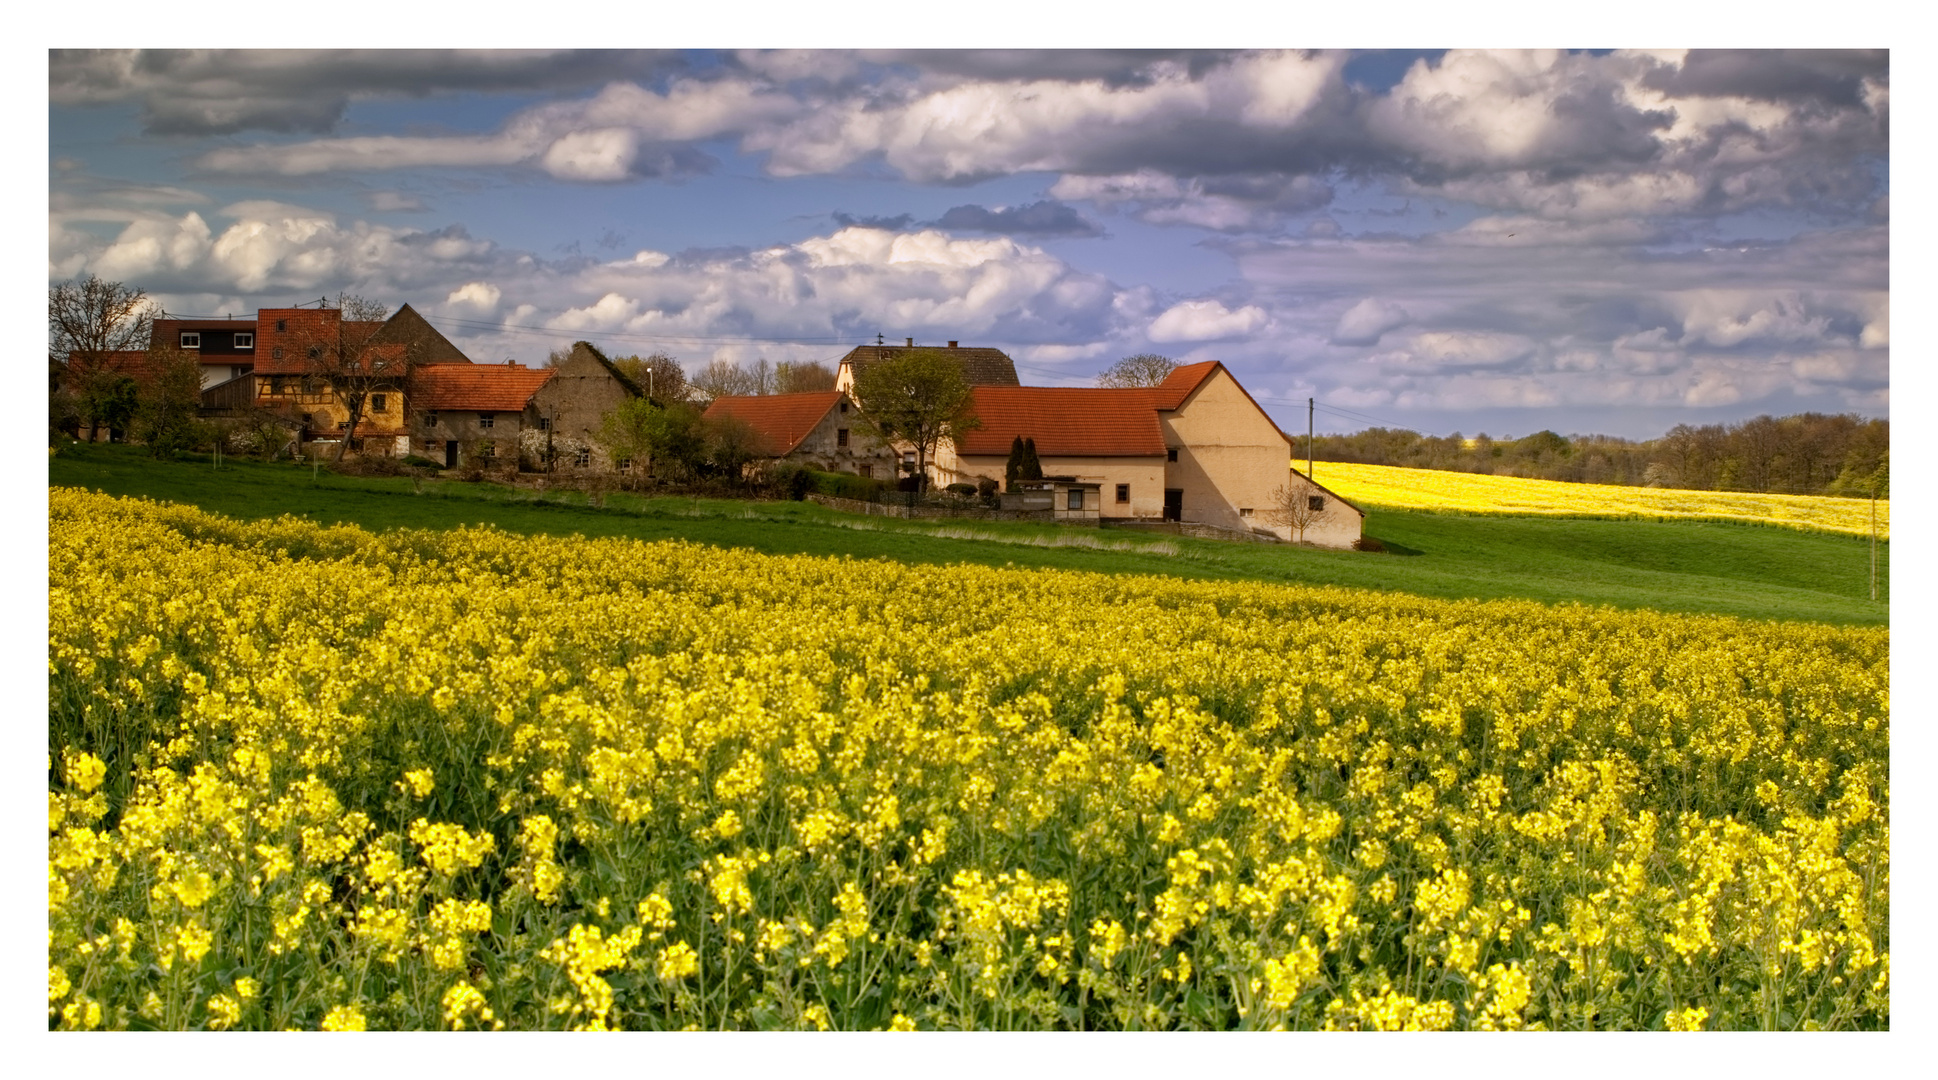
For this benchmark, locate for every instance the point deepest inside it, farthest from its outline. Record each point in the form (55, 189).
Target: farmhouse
(568, 410)
(980, 366)
(1195, 449)
(474, 414)
(815, 429)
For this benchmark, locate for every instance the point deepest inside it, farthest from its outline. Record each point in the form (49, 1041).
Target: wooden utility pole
(1308, 438)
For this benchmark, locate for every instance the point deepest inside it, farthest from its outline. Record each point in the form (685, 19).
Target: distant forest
(1806, 454)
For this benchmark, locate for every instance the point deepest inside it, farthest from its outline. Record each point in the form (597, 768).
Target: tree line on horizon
(1803, 454)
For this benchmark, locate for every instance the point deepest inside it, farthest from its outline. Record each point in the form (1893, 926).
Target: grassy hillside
(1712, 567)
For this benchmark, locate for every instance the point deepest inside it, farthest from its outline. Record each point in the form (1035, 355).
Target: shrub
(961, 489)
(419, 462)
(1367, 543)
(848, 486)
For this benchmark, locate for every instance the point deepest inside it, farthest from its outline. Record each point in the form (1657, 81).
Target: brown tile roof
(782, 420)
(1066, 421)
(130, 362)
(981, 367)
(483, 387)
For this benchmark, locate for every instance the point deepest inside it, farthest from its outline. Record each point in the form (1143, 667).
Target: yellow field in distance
(1438, 489)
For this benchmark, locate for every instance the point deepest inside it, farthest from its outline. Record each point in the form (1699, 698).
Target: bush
(794, 481)
(961, 489)
(419, 462)
(1367, 543)
(848, 486)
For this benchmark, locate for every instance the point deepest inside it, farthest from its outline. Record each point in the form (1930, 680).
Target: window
(841, 436)
(277, 352)
(1244, 511)
(544, 423)
(867, 471)
(281, 325)
(315, 351)
(276, 385)
(245, 341)
(1316, 502)
(191, 340)
(486, 419)
(1123, 493)
(488, 451)
(1076, 498)
(844, 406)
(430, 419)
(1171, 454)
(623, 464)
(583, 458)
(378, 402)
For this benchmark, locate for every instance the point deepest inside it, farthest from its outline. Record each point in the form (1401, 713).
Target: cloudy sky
(1502, 241)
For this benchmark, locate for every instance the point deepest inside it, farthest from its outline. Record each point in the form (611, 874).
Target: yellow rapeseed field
(1438, 489)
(307, 777)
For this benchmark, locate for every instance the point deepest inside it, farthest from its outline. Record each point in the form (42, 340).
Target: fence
(903, 510)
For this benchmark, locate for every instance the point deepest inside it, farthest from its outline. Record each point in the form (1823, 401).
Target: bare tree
(89, 323)
(723, 378)
(350, 354)
(658, 375)
(802, 378)
(1292, 506)
(1143, 369)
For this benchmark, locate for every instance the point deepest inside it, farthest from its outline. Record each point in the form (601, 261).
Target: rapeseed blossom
(306, 777)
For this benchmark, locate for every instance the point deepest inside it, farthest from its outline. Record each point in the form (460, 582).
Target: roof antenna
(878, 339)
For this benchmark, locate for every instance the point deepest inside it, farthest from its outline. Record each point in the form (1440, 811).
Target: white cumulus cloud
(1206, 320)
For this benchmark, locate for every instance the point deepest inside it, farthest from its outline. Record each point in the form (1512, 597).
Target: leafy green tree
(672, 437)
(167, 401)
(916, 398)
(1032, 465)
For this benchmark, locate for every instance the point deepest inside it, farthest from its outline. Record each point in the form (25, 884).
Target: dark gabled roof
(406, 327)
(781, 420)
(981, 367)
(483, 387)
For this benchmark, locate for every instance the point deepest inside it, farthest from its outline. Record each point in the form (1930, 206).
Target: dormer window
(191, 339)
(282, 325)
(245, 341)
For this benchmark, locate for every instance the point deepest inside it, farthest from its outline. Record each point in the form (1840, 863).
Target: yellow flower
(421, 782)
(677, 961)
(344, 1018)
(224, 1012)
(901, 1023)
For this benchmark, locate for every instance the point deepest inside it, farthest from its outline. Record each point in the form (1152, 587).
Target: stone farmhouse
(815, 429)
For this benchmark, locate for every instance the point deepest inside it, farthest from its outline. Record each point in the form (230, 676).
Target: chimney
(911, 343)
(952, 344)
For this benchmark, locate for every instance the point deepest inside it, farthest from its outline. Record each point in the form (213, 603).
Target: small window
(1076, 498)
(276, 385)
(486, 419)
(841, 436)
(488, 451)
(1123, 493)
(430, 419)
(277, 352)
(544, 423)
(245, 341)
(378, 402)
(1171, 454)
(191, 340)
(844, 406)
(1316, 502)
(282, 325)
(867, 471)
(908, 458)
(1244, 511)
(583, 458)
(623, 464)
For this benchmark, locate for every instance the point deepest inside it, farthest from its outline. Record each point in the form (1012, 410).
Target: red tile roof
(483, 387)
(1066, 421)
(1178, 385)
(782, 420)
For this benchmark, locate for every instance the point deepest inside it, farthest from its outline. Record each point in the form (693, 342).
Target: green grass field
(1744, 570)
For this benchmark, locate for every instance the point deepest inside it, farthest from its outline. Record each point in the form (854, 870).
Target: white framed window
(245, 341)
(488, 451)
(191, 339)
(582, 459)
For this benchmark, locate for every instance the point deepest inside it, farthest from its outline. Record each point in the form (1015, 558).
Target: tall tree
(658, 374)
(1032, 466)
(1013, 468)
(168, 397)
(724, 378)
(917, 398)
(1143, 369)
(802, 378)
(90, 322)
(350, 355)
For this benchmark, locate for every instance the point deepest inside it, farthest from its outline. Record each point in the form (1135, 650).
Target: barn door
(1174, 504)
